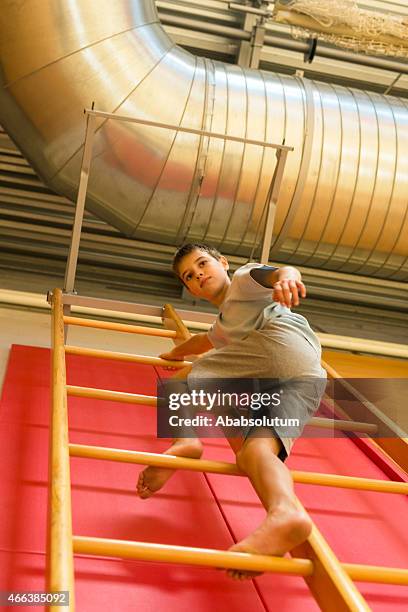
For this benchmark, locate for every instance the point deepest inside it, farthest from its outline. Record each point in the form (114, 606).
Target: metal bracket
(250, 51)
(311, 50)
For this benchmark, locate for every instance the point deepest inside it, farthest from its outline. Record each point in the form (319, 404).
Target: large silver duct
(343, 202)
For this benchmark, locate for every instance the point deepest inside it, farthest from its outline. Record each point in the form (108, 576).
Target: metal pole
(187, 130)
(80, 206)
(270, 217)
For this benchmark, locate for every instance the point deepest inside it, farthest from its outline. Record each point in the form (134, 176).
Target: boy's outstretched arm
(286, 283)
(197, 344)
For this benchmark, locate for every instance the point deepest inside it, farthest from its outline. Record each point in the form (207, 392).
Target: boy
(256, 337)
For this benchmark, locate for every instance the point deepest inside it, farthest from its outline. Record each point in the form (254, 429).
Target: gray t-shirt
(248, 305)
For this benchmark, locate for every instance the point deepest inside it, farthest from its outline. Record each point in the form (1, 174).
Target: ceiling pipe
(344, 210)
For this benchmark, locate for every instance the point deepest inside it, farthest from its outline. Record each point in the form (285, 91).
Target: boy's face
(203, 275)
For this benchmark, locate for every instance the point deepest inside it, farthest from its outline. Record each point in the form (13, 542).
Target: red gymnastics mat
(194, 509)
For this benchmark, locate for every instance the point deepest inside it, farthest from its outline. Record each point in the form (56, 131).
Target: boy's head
(202, 269)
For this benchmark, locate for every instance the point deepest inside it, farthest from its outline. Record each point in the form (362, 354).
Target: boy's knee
(254, 446)
(240, 459)
(246, 451)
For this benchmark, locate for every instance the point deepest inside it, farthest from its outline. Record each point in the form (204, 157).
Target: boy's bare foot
(153, 478)
(280, 531)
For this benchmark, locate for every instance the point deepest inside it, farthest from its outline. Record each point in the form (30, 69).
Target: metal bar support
(178, 128)
(270, 216)
(80, 205)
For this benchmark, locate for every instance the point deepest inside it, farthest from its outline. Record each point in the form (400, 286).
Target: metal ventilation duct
(343, 203)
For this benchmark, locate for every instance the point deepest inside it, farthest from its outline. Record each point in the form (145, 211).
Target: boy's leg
(151, 479)
(285, 525)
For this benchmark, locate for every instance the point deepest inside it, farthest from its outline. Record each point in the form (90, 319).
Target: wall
(21, 326)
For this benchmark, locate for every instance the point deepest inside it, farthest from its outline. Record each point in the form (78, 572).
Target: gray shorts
(276, 356)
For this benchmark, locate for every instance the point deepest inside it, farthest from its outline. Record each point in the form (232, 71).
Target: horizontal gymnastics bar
(221, 467)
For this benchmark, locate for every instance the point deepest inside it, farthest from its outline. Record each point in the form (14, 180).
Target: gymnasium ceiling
(190, 24)
(35, 222)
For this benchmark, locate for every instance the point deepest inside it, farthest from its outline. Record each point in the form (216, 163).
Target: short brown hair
(188, 248)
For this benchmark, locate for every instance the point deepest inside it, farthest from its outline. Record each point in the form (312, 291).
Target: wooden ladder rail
(395, 446)
(60, 564)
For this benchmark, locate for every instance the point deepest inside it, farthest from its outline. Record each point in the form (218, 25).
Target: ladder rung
(134, 398)
(146, 551)
(146, 359)
(342, 425)
(193, 556)
(220, 467)
(155, 459)
(114, 396)
(122, 327)
(374, 573)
